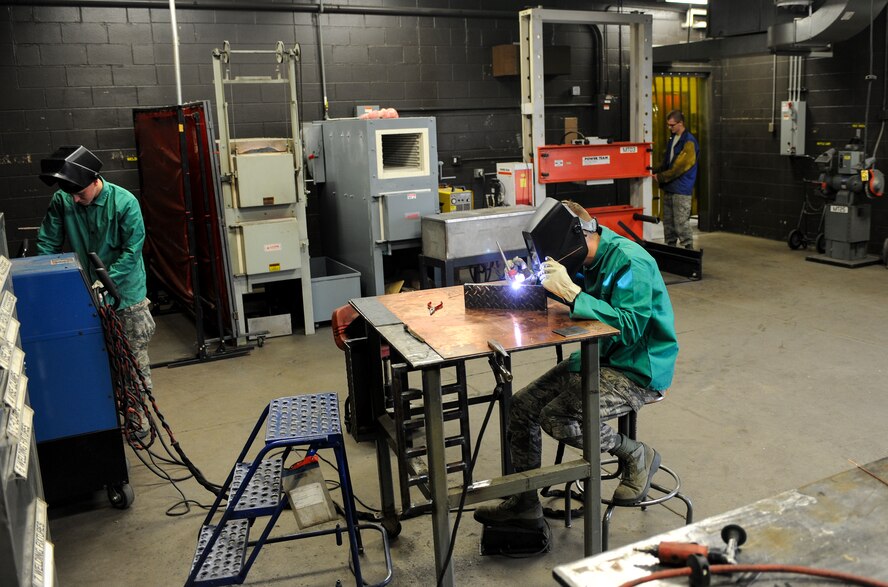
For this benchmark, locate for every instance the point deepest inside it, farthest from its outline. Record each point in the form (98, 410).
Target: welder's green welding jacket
(110, 226)
(623, 288)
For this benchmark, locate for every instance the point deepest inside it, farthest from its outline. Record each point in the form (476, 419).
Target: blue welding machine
(79, 442)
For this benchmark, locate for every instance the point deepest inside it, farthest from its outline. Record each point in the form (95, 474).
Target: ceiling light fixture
(697, 2)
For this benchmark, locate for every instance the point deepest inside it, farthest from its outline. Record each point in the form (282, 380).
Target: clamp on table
(498, 362)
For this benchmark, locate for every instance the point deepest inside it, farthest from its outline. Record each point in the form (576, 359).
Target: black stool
(626, 424)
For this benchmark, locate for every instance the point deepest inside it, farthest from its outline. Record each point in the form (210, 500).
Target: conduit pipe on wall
(326, 104)
(274, 7)
(176, 63)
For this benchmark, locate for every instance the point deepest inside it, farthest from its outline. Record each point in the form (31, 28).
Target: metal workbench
(429, 341)
(837, 523)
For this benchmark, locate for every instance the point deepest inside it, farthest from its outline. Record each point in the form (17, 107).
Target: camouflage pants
(677, 220)
(554, 403)
(138, 325)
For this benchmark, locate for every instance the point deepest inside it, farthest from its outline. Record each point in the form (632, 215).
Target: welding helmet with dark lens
(73, 168)
(554, 231)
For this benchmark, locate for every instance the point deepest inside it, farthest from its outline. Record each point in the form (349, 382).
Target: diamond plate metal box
(502, 296)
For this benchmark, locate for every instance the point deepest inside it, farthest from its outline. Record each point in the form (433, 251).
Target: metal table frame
(384, 325)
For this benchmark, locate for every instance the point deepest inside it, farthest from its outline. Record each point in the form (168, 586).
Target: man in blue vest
(676, 176)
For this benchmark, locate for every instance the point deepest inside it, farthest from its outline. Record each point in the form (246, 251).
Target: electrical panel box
(265, 179)
(792, 128)
(517, 181)
(266, 246)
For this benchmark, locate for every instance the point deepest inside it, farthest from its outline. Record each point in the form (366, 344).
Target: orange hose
(729, 569)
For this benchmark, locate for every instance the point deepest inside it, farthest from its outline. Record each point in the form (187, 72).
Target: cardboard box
(556, 60)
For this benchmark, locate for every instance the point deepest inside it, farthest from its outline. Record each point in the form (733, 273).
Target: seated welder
(601, 276)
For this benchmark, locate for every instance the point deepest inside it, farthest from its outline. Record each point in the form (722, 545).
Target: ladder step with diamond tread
(226, 559)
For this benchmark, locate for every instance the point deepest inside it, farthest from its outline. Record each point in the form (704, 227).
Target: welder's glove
(556, 280)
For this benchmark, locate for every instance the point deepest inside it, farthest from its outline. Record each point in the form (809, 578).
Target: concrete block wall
(756, 190)
(73, 75)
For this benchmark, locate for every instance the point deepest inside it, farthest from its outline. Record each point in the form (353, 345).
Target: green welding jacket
(110, 226)
(623, 288)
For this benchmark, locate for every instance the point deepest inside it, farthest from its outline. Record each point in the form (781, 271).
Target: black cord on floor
(130, 393)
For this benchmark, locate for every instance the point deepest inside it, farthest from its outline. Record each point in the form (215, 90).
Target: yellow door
(688, 93)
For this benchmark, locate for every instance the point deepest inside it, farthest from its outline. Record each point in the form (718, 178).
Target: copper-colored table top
(456, 333)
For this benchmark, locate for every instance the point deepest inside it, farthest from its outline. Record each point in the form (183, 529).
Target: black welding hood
(554, 231)
(73, 168)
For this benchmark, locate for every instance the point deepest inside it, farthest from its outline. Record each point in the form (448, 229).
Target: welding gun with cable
(517, 270)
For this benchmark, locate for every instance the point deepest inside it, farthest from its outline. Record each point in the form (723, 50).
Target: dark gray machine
(849, 181)
(378, 178)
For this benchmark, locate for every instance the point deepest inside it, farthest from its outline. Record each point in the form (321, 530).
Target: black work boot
(523, 510)
(639, 463)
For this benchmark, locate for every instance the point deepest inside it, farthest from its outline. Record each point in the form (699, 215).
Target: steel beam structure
(533, 103)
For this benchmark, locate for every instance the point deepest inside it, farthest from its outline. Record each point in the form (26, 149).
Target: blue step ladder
(254, 491)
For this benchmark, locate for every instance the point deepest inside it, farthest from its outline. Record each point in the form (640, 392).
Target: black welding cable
(497, 394)
(125, 367)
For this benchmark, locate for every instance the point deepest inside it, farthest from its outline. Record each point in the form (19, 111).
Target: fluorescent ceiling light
(701, 2)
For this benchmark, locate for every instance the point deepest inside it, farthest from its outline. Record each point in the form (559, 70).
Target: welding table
(837, 523)
(453, 333)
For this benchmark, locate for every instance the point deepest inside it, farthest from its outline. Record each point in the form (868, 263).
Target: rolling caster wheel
(121, 495)
(821, 243)
(392, 527)
(260, 341)
(796, 240)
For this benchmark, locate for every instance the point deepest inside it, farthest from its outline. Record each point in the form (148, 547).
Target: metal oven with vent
(378, 178)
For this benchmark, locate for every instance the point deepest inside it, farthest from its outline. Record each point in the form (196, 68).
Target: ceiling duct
(835, 20)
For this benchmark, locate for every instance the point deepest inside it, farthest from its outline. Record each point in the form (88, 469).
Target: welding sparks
(517, 281)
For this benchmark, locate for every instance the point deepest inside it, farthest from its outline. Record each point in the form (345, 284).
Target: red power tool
(675, 554)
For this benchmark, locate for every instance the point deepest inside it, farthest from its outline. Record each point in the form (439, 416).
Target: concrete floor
(780, 382)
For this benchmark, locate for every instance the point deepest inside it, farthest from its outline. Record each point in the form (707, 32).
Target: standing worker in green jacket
(601, 276)
(96, 216)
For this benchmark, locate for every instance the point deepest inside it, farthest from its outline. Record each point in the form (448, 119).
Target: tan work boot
(522, 510)
(639, 463)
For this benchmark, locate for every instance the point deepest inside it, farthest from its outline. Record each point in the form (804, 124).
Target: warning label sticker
(597, 160)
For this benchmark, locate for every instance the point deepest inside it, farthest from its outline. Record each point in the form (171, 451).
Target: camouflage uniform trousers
(554, 403)
(677, 220)
(138, 325)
